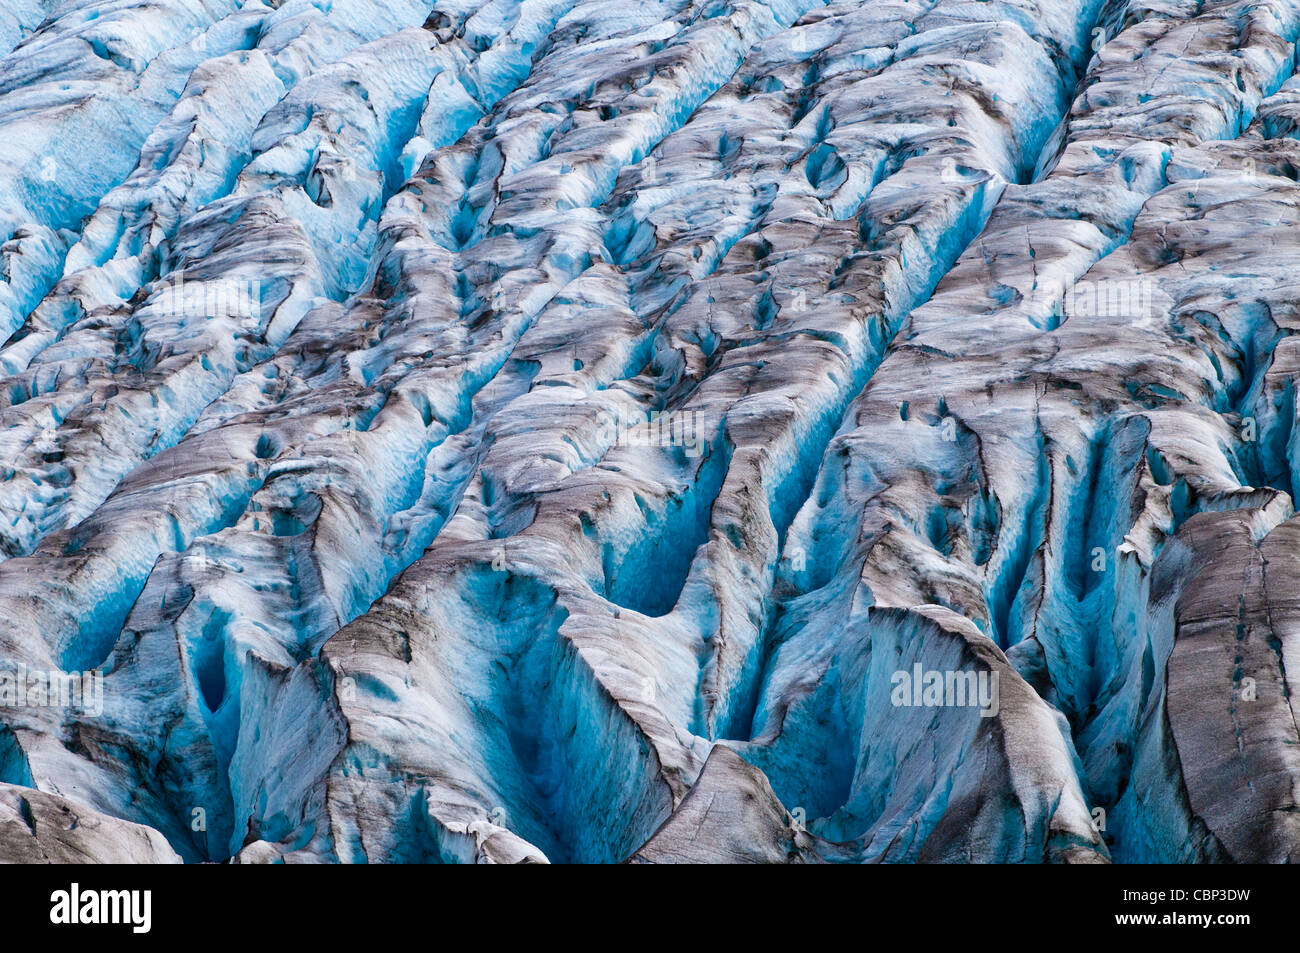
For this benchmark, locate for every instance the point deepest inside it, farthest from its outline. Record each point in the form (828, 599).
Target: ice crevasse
(598, 430)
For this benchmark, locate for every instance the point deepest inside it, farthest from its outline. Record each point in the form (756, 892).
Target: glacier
(526, 431)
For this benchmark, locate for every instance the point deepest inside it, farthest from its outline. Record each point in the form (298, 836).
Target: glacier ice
(542, 430)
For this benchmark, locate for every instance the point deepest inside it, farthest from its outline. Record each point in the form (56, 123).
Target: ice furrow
(683, 509)
(926, 541)
(699, 430)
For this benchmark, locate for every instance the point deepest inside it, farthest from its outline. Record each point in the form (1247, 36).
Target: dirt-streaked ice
(576, 430)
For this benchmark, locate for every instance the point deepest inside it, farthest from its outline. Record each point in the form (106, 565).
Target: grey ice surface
(548, 430)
